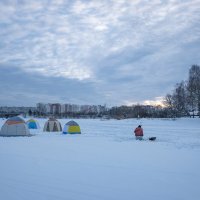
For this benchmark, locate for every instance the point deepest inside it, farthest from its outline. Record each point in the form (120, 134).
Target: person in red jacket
(139, 133)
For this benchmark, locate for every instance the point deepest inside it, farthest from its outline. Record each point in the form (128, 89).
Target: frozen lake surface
(105, 162)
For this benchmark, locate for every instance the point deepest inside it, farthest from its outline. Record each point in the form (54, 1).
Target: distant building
(41, 107)
(63, 109)
(56, 108)
(13, 111)
(48, 108)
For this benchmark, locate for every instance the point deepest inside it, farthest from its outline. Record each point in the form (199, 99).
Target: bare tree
(169, 103)
(179, 99)
(193, 88)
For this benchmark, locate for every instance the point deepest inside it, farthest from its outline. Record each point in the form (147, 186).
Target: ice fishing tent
(71, 127)
(15, 126)
(52, 125)
(32, 124)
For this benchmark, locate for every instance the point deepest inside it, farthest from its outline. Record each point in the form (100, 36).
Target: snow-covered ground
(105, 162)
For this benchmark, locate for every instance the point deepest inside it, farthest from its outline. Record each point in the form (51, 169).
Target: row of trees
(136, 111)
(121, 112)
(185, 98)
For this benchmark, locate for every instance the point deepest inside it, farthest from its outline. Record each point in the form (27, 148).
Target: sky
(113, 52)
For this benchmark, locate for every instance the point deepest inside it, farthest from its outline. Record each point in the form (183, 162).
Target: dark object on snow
(152, 138)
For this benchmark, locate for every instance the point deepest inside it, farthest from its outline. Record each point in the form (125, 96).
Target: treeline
(137, 111)
(120, 112)
(185, 98)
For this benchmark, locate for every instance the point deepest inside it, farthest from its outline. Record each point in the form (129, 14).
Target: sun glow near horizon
(158, 101)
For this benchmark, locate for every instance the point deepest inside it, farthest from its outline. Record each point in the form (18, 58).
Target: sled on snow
(152, 138)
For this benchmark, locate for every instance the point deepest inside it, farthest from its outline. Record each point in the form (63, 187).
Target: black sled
(152, 138)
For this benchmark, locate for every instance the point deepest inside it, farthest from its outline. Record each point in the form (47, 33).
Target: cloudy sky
(95, 51)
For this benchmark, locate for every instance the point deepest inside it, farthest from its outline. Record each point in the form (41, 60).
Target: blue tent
(32, 124)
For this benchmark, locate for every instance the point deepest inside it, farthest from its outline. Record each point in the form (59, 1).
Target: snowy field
(105, 162)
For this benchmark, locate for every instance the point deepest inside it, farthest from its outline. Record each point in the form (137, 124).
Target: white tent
(52, 125)
(15, 126)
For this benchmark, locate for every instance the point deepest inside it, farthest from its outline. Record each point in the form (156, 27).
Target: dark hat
(139, 126)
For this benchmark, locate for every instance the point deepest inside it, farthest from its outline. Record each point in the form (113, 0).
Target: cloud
(22, 88)
(119, 47)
